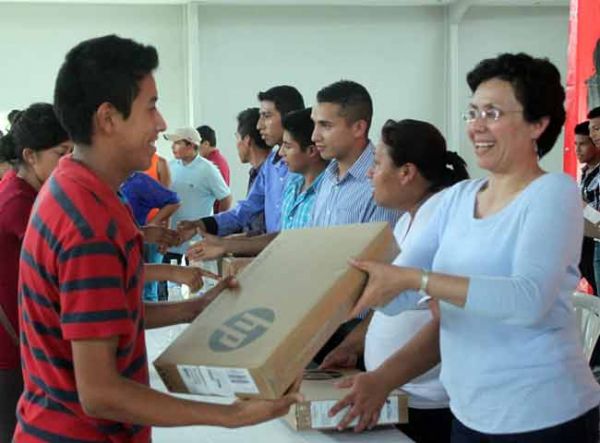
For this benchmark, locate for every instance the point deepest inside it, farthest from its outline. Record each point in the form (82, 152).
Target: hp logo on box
(241, 329)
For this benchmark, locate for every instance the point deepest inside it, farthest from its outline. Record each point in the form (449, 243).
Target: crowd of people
(473, 319)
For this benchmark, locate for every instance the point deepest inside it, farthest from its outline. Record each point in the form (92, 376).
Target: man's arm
(346, 354)
(213, 247)
(162, 216)
(225, 203)
(105, 394)
(159, 314)
(164, 173)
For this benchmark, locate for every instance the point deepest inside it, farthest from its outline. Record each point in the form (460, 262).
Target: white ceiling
(316, 2)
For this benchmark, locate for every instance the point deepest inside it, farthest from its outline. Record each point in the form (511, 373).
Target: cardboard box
(233, 265)
(320, 394)
(254, 342)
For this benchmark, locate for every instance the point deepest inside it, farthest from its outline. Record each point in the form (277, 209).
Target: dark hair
(207, 134)
(286, 98)
(247, 120)
(37, 128)
(300, 126)
(594, 113)
(583, 128)
(13, 116)
(8, 149)
(352, 97)
(103, 69)
(420, 143)
(536, 84)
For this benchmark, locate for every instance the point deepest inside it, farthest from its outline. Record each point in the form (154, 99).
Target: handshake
(210, 248)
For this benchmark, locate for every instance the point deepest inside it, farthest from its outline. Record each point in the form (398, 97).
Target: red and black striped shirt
(81, 278)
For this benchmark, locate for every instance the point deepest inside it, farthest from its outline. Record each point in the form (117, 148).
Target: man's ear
(106, 118)
(359, 128)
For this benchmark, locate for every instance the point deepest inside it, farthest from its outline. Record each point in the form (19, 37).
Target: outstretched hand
(210, 247)
(162, 236)
(384, 283)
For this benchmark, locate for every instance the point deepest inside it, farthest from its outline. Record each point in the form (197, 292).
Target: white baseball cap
(188, 134)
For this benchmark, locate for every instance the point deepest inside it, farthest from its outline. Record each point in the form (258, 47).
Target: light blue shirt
(297, 206)
(511, 358)
(198, 184)
(265, 196)
(349, 199)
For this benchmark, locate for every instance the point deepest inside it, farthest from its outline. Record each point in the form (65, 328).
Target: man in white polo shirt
(196, 181)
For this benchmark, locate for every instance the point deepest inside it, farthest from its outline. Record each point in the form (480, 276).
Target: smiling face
(269, 123)
(138, 133)
(503, 143)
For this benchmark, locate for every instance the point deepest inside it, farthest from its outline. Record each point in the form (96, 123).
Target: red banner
(583, 75)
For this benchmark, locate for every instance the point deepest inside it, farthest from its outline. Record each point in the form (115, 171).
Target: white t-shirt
(387, 334)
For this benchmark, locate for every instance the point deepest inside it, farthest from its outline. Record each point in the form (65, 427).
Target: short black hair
(37, 128)
(536, 84)
(99, 70)
(13, 116)
(286, 98)
(353, 99)
(594, 113)
(300, 126)
(582, 128)
(247, 120)
(423, 145)
(207, 134)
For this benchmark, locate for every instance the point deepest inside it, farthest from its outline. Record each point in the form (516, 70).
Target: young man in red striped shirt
(81, 316)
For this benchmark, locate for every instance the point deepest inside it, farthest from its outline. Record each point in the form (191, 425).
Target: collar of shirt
(78, 172)
(358, 170)
(297, 182)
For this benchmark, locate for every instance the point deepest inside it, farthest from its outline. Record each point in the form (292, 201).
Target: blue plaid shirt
(296, 208)
(349, 199)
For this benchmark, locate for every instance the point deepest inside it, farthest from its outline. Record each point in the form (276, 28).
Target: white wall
(398, 53)
(487, 31)
(391, 51)
(34, 39)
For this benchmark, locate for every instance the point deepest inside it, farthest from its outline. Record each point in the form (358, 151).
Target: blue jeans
(151, 255)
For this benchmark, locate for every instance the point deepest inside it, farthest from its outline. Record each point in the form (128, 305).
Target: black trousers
(428, 425)
(586, 264)
(11, 387)
(582, 429)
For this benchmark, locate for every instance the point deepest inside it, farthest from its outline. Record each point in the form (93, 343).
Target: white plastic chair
(587, 309)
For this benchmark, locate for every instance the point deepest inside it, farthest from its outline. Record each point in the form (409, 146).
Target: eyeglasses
(488, 115)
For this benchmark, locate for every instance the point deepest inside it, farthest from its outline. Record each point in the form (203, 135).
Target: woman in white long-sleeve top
(502, 256)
